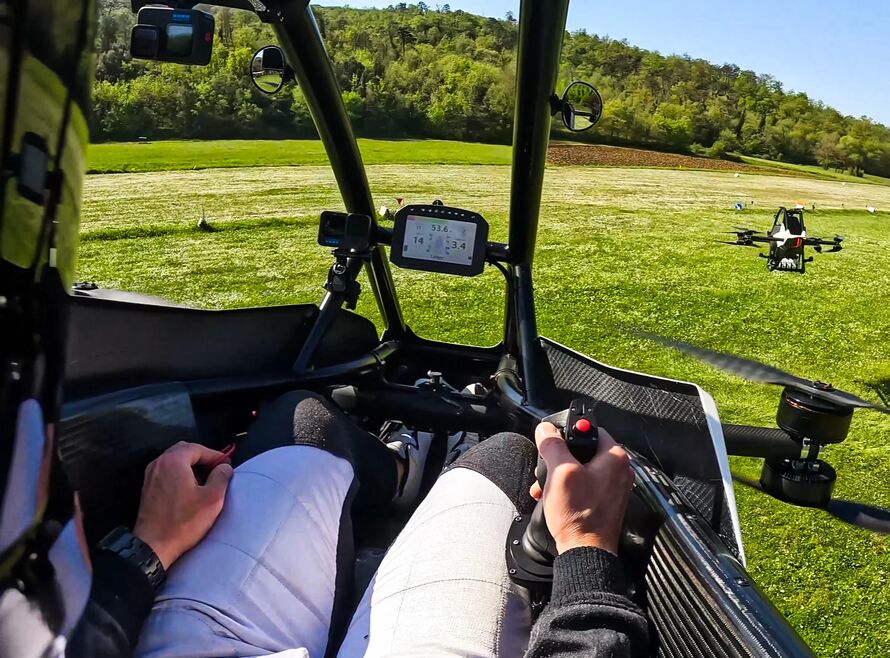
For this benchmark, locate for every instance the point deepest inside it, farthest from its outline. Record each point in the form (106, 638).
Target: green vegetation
(650, 261)
(170, 155)
(812, 170)
(410, 71)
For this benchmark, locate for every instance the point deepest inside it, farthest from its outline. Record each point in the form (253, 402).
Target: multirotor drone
(787, 240)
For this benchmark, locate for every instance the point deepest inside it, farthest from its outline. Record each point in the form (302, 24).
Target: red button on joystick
(582, 425)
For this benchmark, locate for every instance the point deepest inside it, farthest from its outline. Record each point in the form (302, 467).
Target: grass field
(173, 155)
(631, 246)
(812, 170)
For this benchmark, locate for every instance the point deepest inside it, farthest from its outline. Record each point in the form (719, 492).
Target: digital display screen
(441, 240)
(179, 40)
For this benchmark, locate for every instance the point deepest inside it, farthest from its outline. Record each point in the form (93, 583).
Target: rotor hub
(805, 416)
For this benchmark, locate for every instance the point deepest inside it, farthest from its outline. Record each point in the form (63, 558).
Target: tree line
(417, 71)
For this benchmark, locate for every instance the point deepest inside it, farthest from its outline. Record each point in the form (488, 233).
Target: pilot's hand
(175, 512)
(584, 504)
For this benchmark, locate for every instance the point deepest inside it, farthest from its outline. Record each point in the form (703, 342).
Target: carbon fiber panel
(663, 420)
(106, 443)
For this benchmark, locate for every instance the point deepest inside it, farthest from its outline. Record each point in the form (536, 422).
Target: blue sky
(834, 50)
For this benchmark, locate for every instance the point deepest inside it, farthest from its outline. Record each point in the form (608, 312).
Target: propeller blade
(738, 244)
(755, 371)
(845, 399)
(859, 515)
(748, 482)
(745, 368)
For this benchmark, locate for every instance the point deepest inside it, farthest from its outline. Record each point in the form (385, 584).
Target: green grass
(173, 155)
(813, 170)
(630, 246)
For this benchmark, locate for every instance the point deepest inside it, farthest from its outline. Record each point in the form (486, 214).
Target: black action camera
(182, 36)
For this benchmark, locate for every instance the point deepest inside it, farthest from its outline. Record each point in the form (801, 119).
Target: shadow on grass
(881, 388)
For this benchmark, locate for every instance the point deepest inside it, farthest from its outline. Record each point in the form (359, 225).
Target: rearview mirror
(582, 106)
(269, 70)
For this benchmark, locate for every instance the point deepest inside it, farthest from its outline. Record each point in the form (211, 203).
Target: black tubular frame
(303, 45)
(541, 28)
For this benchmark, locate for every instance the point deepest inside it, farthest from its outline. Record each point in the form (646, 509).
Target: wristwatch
(135, 551)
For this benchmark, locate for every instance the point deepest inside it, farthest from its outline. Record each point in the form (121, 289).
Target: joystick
(531, 548)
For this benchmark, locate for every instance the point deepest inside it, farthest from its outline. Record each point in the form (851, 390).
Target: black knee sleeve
(306, 418)
(508, 460)
(300, 418)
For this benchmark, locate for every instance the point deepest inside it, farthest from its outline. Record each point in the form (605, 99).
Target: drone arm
(818, 243)
(762, 442)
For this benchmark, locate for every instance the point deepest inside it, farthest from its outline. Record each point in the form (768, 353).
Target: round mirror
(582, 106)
(267, 69)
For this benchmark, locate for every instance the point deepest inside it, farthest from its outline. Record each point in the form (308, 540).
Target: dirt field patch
(619, 156)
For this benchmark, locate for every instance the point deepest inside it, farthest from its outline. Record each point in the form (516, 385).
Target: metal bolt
(512, 572)
(517, 519)
(516, 542)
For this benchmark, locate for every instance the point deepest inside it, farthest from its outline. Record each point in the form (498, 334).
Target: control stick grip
(582, 440)
(579, 433)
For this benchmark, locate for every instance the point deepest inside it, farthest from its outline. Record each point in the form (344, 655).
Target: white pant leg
(263, 579)
(443, 587)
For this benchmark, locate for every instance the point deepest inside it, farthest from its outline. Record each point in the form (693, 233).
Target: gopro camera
(182, 36)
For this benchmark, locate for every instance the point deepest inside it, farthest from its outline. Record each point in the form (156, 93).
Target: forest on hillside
(416, 71)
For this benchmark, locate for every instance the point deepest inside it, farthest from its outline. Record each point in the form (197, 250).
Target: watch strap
(125, 544)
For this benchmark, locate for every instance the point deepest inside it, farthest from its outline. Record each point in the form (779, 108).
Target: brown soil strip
(619, 156)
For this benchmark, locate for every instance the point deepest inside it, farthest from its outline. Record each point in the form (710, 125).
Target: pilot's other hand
(175, 511)
(584, 504)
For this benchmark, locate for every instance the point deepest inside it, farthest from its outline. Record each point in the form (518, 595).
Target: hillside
(410, 71)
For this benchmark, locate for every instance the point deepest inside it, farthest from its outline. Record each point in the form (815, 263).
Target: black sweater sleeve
(119, 603)
(589, 613)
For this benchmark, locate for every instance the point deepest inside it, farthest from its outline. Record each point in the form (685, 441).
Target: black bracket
(260, 8)
(339, 281)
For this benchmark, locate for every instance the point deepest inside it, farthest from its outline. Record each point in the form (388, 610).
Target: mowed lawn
(630, 246)
(179, 154)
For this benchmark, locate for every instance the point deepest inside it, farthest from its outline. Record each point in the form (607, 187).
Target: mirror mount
(581, 106)
(555, 105)
(269, 69)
